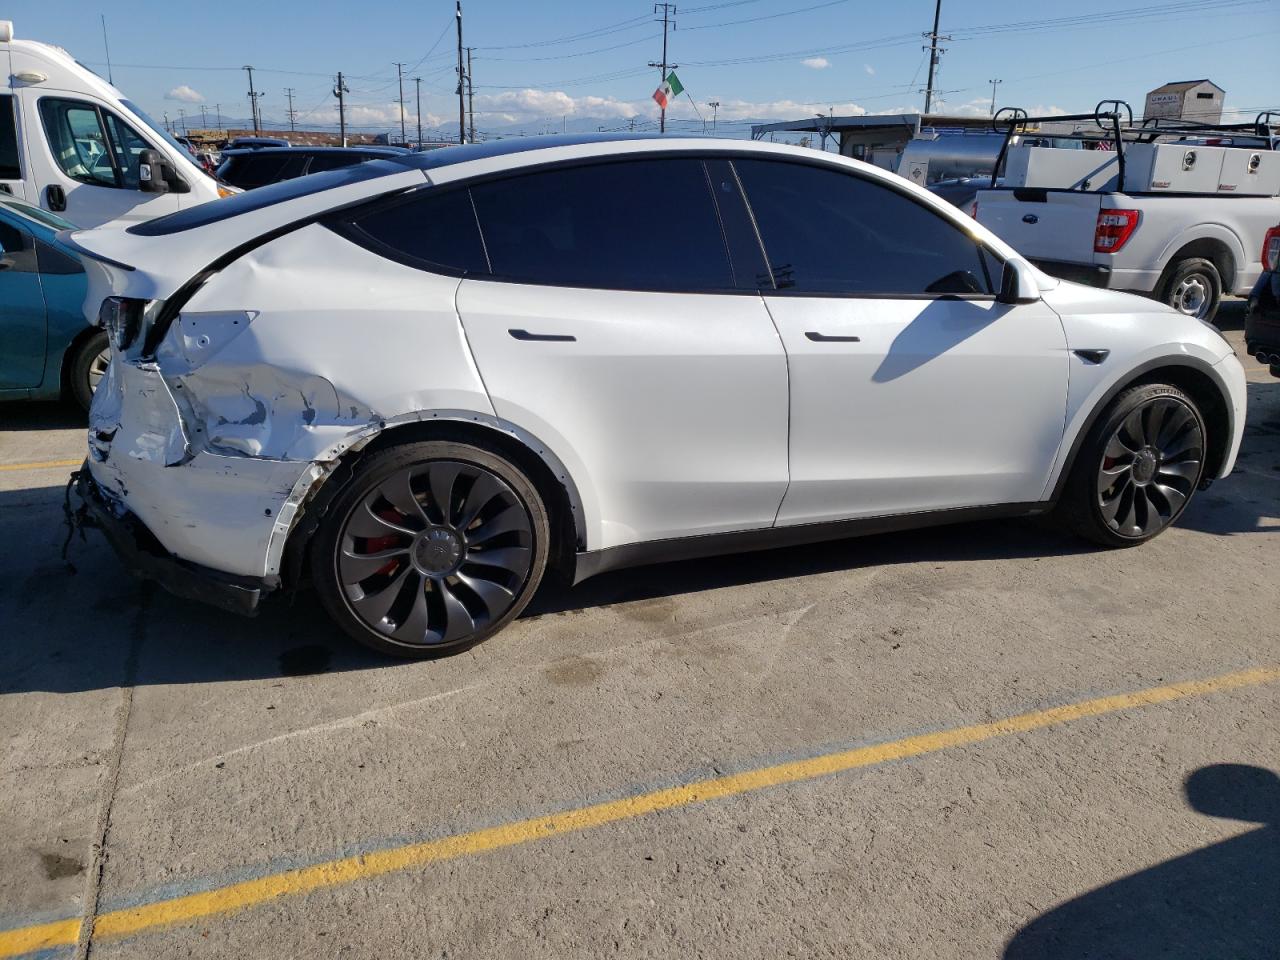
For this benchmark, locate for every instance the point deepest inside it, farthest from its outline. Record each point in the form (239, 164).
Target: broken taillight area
(121, 317)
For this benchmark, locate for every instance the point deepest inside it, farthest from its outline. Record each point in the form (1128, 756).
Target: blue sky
(536, 63)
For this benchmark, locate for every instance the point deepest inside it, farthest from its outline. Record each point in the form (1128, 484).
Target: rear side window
(333, 161)
(827, 231)
(9, 166)
(434, 229)
(253, 170)
(635, 225)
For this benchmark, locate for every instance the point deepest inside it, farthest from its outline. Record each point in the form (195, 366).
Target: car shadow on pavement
(39, 415)
(986, 540)
(1221, 902)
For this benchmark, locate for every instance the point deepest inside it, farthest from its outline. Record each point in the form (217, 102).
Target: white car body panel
(939, 404)
(1123, 324)
(675, 405)
(669, 416)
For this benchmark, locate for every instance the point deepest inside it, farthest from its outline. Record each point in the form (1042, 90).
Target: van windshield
(160, 132)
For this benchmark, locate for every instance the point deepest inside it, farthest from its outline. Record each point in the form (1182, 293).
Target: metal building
(1198, 100)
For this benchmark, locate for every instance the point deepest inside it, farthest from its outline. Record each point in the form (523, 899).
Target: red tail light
(1271, 250)
(1114, 229)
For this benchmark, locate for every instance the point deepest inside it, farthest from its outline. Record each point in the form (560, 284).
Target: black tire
(1159, 477)
(454, 575)
(1185, 280)
(80, 371)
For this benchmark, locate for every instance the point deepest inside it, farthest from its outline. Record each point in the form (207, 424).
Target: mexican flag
(669, 90)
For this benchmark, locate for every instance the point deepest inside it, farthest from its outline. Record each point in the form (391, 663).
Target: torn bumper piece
(144, 557)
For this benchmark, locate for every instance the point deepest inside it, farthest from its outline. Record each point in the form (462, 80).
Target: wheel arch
(1211, 242)
(546, 472)
(1193, 377)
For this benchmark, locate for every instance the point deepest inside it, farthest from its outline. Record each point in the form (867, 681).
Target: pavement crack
(102, 826)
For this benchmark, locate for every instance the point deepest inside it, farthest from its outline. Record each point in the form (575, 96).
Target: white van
(72, 143)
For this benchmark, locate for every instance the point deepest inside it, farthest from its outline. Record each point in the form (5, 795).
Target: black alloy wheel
(1138, 469)
(1151, 465)
(430, 554)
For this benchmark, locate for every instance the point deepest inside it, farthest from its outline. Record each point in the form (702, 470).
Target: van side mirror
(1018, 283)
(153, 172)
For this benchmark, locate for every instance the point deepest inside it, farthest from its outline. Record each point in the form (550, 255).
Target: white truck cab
(72, 143)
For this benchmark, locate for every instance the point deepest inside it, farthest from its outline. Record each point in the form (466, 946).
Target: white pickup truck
(1181, 221)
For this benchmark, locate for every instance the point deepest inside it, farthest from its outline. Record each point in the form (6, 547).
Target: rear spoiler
(67, 239)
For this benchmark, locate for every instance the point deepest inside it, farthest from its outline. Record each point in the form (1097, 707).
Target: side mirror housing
(154, 172)
(1018, 283)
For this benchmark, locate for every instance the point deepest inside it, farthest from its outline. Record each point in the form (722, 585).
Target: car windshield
(32, 212)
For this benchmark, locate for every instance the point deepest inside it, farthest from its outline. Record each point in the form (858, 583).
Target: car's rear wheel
(1138, 468)
(88, 366)
(431, 548)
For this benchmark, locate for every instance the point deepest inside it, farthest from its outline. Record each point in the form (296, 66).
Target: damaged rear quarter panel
(273, 369)
(323, 354)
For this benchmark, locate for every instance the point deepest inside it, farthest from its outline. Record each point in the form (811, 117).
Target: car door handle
(553, 337)
(817, 337)
(56, 197)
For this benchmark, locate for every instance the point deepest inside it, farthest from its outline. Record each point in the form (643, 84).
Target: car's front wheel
(431, 548)
(1137, 469)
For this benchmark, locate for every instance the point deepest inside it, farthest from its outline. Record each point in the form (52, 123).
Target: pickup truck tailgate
(1042, 224)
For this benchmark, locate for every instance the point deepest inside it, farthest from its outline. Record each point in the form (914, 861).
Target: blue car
(47, 349)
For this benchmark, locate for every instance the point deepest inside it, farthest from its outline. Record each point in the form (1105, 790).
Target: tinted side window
(9, 168)
(826, 231)
(636, 225)
(433, 229)
(259, 169)
(332, 161)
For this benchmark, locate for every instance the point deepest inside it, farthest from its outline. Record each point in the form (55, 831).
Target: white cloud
(816, 63)
(185, 94)
(981, 106)
(871, 71)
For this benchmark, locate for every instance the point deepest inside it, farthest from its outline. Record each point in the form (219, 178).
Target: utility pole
(293, 114)
(110, 79)
(340, 91)
(993, 95)
(715, 109)
(934, 54)
(182, 118)
(400, 80)
(217, 109)
(668, 12)
(417, 85)
(471, 98)
(253, 102)
(462, 112)
(204, 120)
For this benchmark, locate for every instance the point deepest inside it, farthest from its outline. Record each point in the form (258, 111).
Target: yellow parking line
(41, 465)
(332, 873)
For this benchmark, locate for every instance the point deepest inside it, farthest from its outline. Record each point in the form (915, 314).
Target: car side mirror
(1018, 283)
(153, 172)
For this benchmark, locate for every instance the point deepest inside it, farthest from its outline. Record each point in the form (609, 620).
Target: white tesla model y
(421, 383)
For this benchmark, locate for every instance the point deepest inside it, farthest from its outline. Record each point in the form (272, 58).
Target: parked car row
(252, 167)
